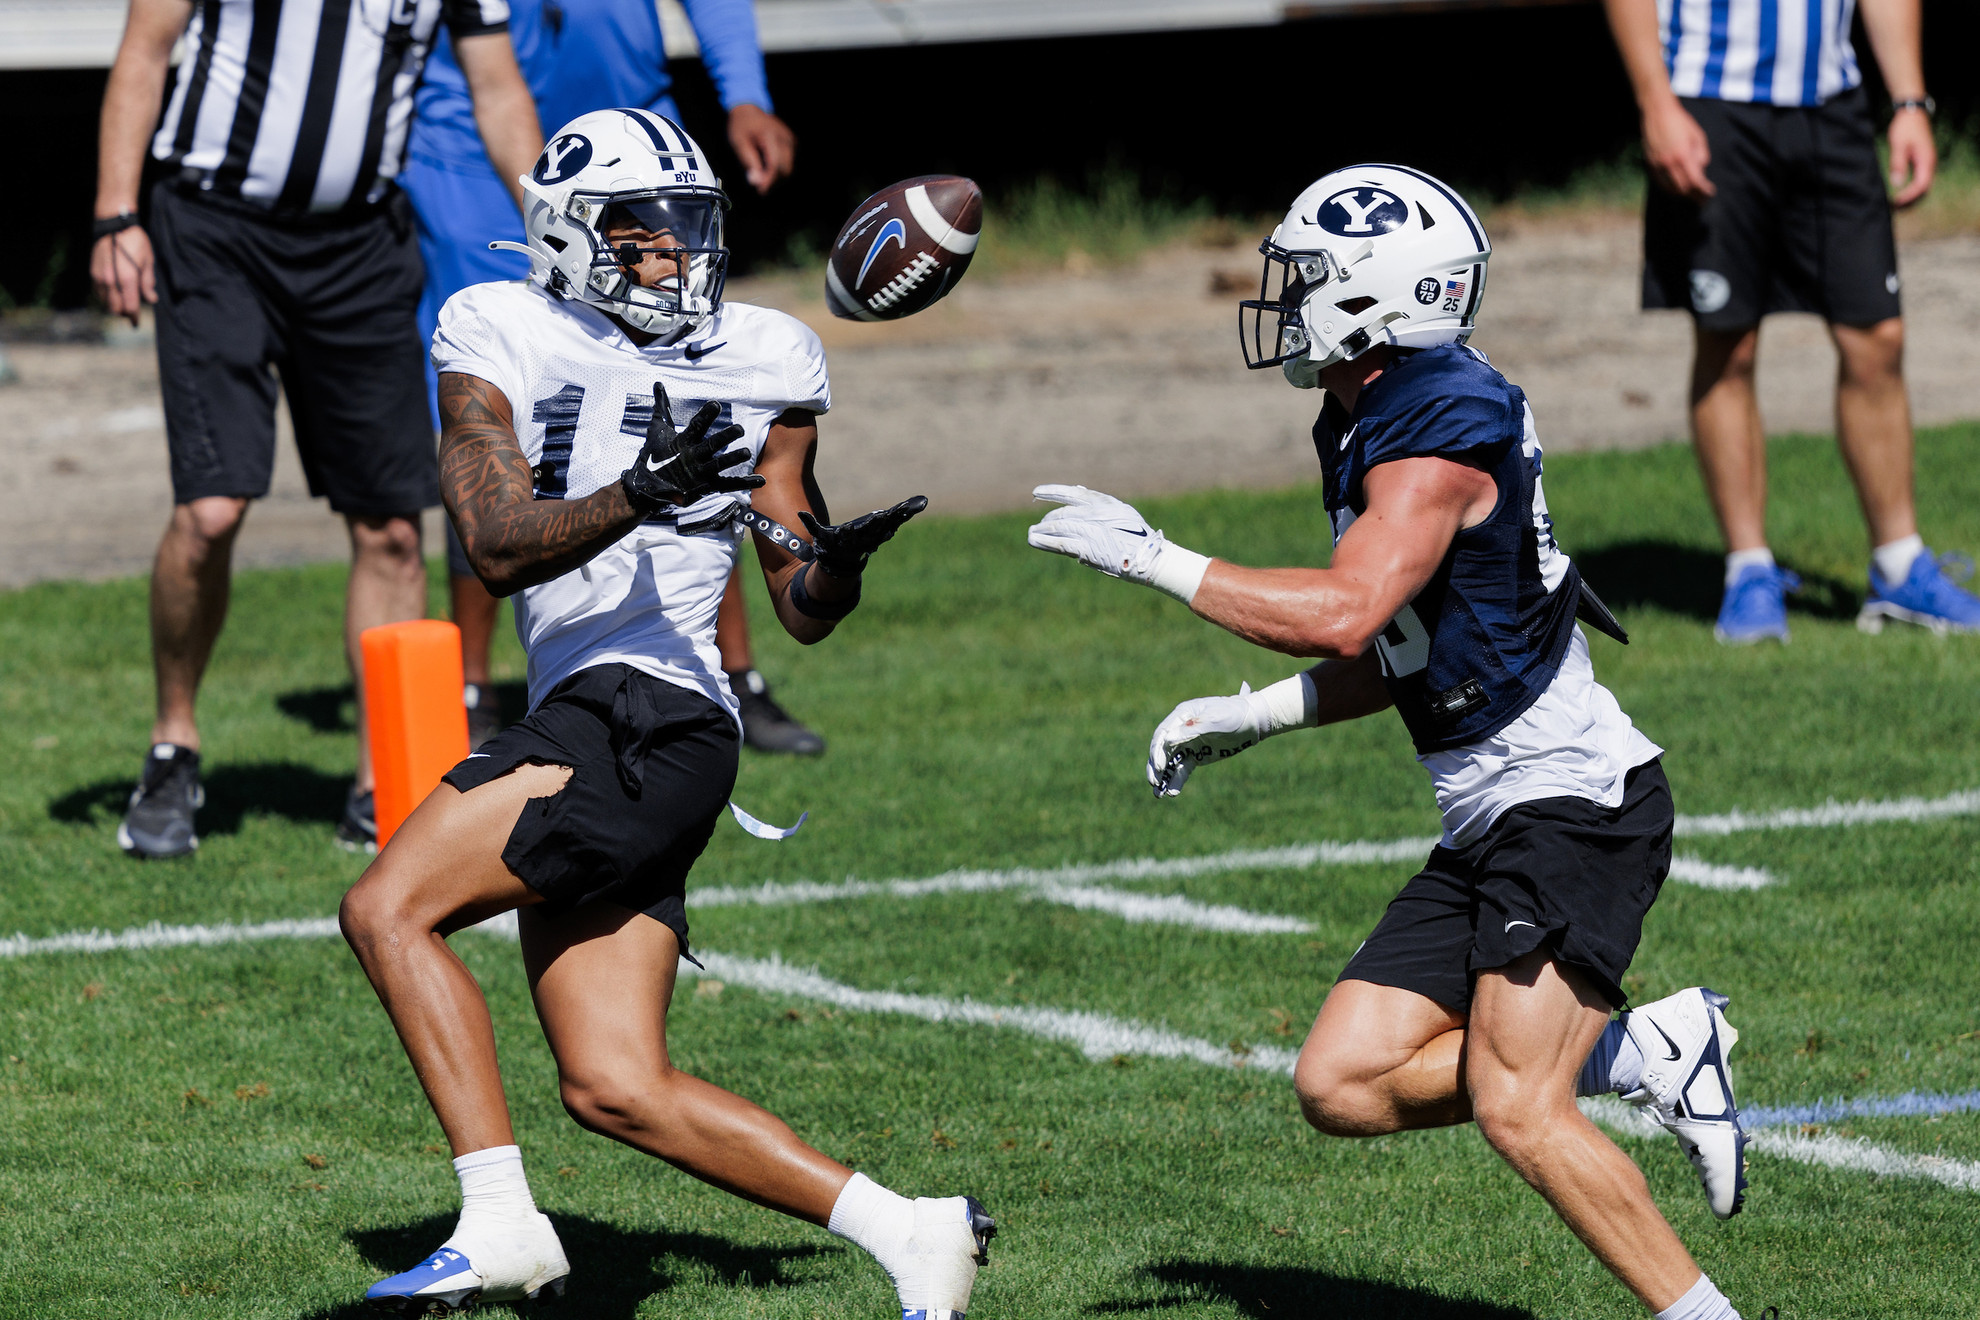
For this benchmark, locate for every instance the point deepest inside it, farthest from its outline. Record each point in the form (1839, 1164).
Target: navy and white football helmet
(615, 168)
(1372, 254)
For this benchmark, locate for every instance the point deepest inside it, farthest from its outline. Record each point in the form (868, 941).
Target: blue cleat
(1926, 597)
(1755, 606)
(447, 1281)
(443, 1282)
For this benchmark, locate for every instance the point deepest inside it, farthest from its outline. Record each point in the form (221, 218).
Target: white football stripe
(1830, 1152)
(936, 226)
(836, 289)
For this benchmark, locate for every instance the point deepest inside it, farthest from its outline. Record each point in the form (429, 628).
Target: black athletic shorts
(1562, 873)
(1801, 222)
(652, 767)
(330, 304)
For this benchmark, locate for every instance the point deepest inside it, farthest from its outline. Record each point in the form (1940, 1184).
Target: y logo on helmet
(891, 232)
(564, 157)
(1362, 211)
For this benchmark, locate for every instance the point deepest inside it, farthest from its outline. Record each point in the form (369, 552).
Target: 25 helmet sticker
(1358, 211)
(562, 158)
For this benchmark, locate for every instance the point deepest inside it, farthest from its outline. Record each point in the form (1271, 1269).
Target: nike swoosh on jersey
(696, 352)
(1344, 444)
(1511, 924)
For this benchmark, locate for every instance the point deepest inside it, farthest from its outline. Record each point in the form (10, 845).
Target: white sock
(1894, 560)
(876, 1220)
(1703, 1302)
(494, 1193)
(1740, 560)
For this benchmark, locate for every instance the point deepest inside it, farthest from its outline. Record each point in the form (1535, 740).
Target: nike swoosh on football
(1675, 1051)
(696, 352)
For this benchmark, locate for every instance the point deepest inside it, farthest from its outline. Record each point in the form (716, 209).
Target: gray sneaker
(159, 820)
(767, 726)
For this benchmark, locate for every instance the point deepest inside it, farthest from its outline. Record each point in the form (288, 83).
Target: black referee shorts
(652, 767)
(1800, 222)
(1564, 874)
(329, 304)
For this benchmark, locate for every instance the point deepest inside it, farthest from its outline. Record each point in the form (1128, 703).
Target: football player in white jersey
(1485, 991)
(610, 427)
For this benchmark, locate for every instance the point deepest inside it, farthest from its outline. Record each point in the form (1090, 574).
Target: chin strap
(538, 263)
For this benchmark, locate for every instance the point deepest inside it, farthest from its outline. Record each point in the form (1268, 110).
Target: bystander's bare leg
(189, 590)
(1873, 425)
(1727, 433)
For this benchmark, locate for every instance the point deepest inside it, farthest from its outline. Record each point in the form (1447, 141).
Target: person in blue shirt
(578, 56)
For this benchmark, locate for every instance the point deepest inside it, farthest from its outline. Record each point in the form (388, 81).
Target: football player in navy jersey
(1486, 990)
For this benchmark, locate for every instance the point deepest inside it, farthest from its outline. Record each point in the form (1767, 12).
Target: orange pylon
(414, 712)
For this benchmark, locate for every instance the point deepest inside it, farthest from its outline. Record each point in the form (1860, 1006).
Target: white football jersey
(582, 396)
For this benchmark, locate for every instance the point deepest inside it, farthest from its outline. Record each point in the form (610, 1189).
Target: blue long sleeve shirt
(584, 55)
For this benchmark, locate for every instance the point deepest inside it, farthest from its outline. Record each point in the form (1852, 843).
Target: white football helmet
(1372, 254)
(626, 167)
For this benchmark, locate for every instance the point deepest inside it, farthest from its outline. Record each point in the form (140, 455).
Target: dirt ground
(1128, 381)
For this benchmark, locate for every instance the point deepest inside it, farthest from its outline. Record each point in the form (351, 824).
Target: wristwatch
(1925, 103)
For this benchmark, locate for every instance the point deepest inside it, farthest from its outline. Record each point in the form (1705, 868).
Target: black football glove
(844, 549)
(679, 467)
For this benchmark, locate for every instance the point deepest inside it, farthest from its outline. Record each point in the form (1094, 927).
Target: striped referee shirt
(1776, 52)
(304, 105)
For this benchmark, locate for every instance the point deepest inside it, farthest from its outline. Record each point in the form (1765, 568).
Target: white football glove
(1207, 729)
(1110, 535)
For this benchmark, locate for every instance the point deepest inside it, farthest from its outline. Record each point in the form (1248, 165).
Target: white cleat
(951, 1239)
(1687, 1088)
(481, 1265)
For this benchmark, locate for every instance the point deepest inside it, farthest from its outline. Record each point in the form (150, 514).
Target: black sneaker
(159, 821)
(358, 831)
(767, 726)
(484, 710)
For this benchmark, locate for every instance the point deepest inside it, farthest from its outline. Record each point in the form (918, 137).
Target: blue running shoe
(1755, 606)
(1928, 597)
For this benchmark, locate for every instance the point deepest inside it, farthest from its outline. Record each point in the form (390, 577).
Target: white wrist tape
(1178, 572)
(1290, 703)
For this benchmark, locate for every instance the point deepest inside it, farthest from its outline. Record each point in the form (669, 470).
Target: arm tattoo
(513, 539)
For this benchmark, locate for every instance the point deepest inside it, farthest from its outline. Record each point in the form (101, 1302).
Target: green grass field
(232, 1131)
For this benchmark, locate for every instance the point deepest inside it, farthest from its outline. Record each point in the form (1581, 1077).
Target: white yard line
(1830, 1152)
(1095, 1035)
(1830, 814)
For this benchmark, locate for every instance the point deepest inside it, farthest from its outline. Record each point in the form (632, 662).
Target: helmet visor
(1269, 327)
(694, 223)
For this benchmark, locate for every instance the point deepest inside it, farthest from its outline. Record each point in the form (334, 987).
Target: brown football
(904, 248)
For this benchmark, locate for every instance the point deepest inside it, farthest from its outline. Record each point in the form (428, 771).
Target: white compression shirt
(1575, 741)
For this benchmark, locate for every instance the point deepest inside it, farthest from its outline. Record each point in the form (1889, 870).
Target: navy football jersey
(1484, 638)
